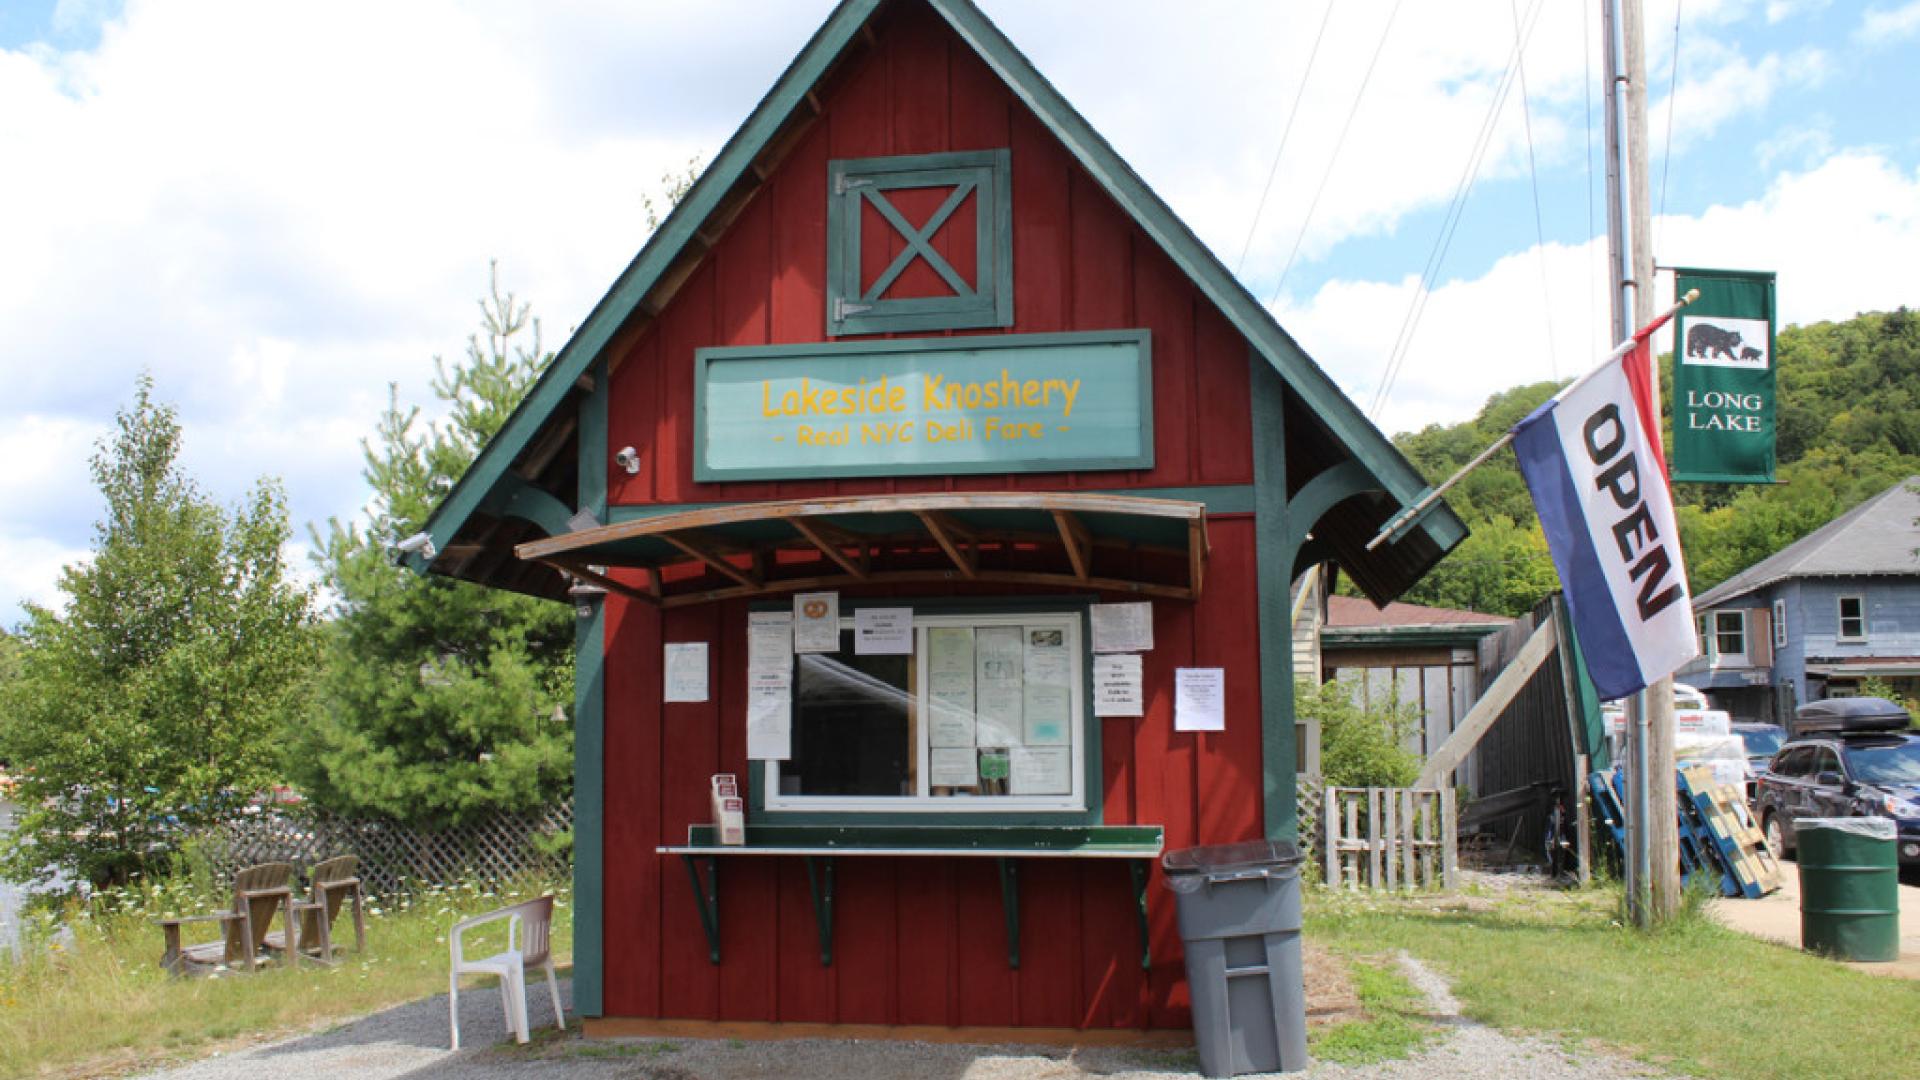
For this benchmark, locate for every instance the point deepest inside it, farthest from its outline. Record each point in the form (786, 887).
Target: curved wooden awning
(1117, 543)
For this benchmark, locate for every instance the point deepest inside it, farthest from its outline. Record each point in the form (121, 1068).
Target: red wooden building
(919, 341)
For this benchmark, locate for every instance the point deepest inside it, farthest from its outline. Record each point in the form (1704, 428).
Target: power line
(1274, 169)
(1673, 86)
(1358, 96)
(1586, 55)
(1533, 177)
(1403, 342)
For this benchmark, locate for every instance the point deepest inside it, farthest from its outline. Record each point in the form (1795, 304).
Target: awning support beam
(832, 543)
(1078, 542)
(701, 547)
(949, 534)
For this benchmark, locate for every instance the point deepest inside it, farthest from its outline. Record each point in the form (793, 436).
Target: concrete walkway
(1777, 918)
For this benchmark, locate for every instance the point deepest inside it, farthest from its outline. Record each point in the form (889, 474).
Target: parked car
(1848, 758)
(1762, 742)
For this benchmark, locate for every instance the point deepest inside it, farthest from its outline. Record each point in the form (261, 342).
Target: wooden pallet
(1740, 847)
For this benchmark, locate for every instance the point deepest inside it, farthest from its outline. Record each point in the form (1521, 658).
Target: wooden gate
(1390, 838)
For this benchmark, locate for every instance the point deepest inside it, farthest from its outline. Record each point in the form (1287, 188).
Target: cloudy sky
(279, 209)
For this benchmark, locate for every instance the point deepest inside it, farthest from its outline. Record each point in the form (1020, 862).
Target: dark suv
(1843, 762)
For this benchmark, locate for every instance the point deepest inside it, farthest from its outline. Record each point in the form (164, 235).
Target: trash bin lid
(1873, 828)
(1227, 858)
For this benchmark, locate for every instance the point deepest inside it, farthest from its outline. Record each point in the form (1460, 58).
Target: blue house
(1819, 617)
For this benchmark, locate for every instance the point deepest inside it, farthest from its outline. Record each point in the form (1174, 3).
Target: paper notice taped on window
(816, 622)
(1045, 770)
(953, 768)
(770, 649)
(997, 661)
(1047, 690)
(950, 678)
(883, 632)
(769, 723)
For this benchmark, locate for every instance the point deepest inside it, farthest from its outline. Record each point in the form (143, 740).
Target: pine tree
(149, 703)
(438, 699)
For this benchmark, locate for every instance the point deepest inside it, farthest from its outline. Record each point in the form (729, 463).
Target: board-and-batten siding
(923, 941)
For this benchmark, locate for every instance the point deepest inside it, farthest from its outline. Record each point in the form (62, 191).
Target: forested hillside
(1849, 427)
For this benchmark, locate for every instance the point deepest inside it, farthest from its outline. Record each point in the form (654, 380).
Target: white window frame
(923, 802)
(1840, 610)
(1729, 659)
(1779, 624)
(1701, 638)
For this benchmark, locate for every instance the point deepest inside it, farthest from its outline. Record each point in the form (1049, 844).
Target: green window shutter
(978, 295)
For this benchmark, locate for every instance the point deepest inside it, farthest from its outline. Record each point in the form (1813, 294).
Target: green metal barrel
(1849, 888)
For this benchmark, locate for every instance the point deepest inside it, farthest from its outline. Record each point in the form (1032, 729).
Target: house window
(1700, 635)
(986, 714)
(1853, 618)
(1730, 637)
(919, 243)
(1779, 624)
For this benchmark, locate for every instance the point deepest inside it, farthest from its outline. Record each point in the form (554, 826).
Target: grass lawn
(95, 1002)
(1694, 998)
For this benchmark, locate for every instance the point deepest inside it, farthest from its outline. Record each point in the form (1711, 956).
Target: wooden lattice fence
(1307, 794)
(394, 856)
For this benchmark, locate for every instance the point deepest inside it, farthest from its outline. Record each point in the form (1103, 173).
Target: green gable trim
(789, 93)
(514, 497)
(986, 177)
(1248, 316)
(662, 249)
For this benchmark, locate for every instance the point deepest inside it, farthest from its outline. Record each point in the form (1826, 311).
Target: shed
(919, 366)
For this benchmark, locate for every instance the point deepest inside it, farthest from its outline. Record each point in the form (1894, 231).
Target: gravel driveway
(411, 1041)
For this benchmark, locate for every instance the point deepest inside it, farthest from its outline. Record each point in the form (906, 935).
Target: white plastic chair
(528, 925)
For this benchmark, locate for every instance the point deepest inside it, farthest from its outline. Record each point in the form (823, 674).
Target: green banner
(1723, 378)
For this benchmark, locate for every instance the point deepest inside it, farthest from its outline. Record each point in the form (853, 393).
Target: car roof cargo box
(1850, 714)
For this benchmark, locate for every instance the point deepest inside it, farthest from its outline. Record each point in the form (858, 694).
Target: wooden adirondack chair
(330, 885)
(258, 891)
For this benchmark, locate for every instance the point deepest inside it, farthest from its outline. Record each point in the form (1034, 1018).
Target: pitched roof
(1878, 537)
(1352, 611)
(646, 285)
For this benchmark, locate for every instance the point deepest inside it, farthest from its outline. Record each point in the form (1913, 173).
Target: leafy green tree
(1359, 747)
(150, 701)
(438, 699)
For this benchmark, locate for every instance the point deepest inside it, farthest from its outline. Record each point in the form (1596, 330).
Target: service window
(986, 714)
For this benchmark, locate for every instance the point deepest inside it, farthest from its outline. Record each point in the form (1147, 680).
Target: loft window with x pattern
(919, 243)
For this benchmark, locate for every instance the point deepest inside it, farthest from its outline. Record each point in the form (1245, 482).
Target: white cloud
(1487, 334)
(30, 573)
(1883, 26)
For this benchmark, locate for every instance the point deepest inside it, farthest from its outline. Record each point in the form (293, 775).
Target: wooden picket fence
(394, 856)
(1389, 838)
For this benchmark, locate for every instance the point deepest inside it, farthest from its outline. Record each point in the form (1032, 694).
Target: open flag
(1593, 461)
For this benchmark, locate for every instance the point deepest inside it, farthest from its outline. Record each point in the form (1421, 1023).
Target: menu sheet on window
(1047, 696)
(770, 685)
(950, 676)
(998, 660)
(956, 767)
(1041, 770)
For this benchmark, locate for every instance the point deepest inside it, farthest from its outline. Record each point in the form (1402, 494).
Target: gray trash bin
(1239, 908)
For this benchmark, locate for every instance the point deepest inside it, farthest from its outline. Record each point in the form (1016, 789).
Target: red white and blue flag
(1592, 459)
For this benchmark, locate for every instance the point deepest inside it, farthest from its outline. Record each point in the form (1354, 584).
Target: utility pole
(1663, 835)
(1653, 856)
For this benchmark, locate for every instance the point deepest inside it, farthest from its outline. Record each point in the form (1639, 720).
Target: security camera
(628, 459)
(420, 542)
